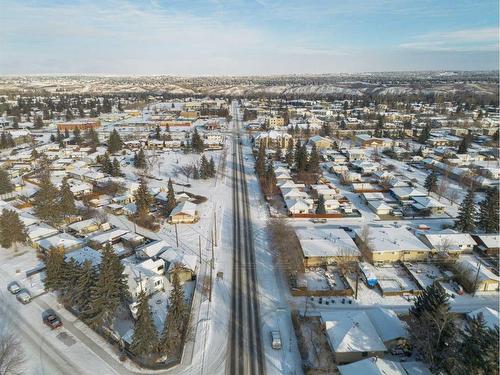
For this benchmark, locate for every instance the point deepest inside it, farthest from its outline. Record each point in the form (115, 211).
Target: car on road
(276, 340)
(14, 287)
(318, 221)
(51, 319)
(23, 296)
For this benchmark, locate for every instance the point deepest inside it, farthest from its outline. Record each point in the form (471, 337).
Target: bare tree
(186, 170)
(453, 195)
(286, 245)
(365, 242)
(12, 357)
(442, 188)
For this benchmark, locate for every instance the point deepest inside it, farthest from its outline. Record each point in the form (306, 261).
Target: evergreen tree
(115, 168)
(462, 147)
(320, 209)
(38, 122)
(176, 321)
(115, 142)
(12, 229)
(301, 161)
(67, 203)
(196, 142)
(380, 127)
(106, 164)
(313, 163)
(171, 202)
(488, 220)
(204, 167)
(479, 348)
(6, 186)
(196, 173)
(211, 166)
(260, 162)
(143, 199)
(158, 132)
(278, 155)
(467, 214)
(430, 183)
(425, 134)
(69, 278)
(420, 152)
(92, 139)
(86, 280)
(140, 159)
(432, 327)
(46, 201)
(3, 140)
(145, 339)
(108, 292)
(289, 156)
(54, 269)
(77, 136)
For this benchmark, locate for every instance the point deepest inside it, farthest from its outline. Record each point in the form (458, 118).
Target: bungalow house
(320, 142)
(293, 193)
(184, 212)
(331, 205)
(427, 204)
(151, 250)
(354, 154)
(184, 265)
(299, 205)
(63, 241)
(449, 241)
(380, 207)
(84, 227)
(391, 244)
(486, 279)
(403, 194)
(381, 366)
(111, 237)
(85, 254)
(39, 231)
(322, 247)
(488, 243)
(352, 336)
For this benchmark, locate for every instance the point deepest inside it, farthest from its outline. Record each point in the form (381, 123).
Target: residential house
(382, 366)
(62, 241)
(484, 278)
(427, 205)
(184, 265)
(449, 241)
(488, 243)
(184, 212)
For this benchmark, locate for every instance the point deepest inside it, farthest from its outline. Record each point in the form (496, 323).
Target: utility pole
(357, 283)
(477, 277)
(211, 272)
(215, 226)
(176, 235)
(199, 246)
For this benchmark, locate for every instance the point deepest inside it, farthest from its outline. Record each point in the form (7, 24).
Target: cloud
(467, 40)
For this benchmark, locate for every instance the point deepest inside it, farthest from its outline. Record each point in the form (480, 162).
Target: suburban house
(62, 241)
(488, 243)
(427, 204)
(299, 205)
(321, 143)
(184, 265)
(487, 281)
(151, 250)
(184, 212)
(449, 241)
(491, 317)
(85, 227)
(322, 247)
(391, 244)
(39, 231)
(382, 366)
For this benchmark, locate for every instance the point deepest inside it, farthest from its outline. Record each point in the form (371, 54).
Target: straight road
(245, 344)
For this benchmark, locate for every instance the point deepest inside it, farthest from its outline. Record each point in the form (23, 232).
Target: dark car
(51, 319)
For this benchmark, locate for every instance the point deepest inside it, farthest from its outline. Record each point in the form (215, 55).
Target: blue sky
(237, 37)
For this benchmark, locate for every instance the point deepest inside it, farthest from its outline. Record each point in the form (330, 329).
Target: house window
(157, 282)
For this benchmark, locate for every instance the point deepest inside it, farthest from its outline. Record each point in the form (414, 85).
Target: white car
(276, 340)
(23, 296)
(14, 287)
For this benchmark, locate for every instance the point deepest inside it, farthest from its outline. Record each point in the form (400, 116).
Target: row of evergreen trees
(96, 293)
(6, 185)
(300, 158)
(446, 348)
(485, 219)
(205, 170)
(6, 140)
(110, 167)
(146, 342)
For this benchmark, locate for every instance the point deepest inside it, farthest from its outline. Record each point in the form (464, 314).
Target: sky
(245, 37)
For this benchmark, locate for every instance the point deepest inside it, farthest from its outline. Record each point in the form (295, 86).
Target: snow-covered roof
(175, 256)
(490, 316)
(41, 230)
(154, 248)
(80, 225)
(108, 236)
(426, 202)
(388, 325)
(60, 240)
(408, 191)
(352, 331)
(326, 243)
(451, 240)
(84, 254)
(185, 208)
(470, 263)
(393, 239)
(491, 240)
(373, 366)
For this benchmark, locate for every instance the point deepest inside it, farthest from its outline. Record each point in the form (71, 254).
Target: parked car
(23, 296)
(14, 287)
(318, 221)
(276, 340)
(51, 319)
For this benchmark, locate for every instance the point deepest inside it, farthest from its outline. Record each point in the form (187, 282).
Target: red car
(52, 320)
